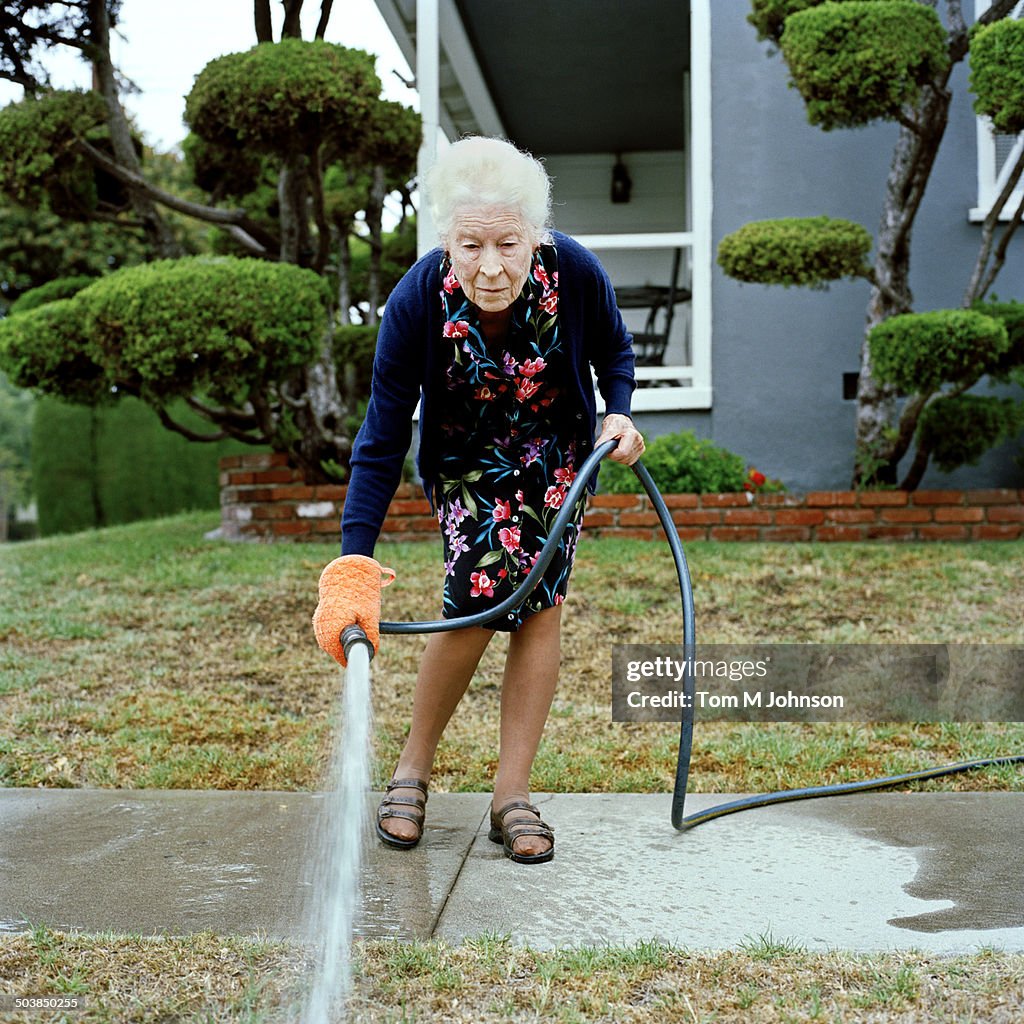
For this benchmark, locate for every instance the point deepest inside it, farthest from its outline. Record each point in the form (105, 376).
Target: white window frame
(696, 242)
(991, 178)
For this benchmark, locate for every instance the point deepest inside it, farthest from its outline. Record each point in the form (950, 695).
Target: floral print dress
(508, 450)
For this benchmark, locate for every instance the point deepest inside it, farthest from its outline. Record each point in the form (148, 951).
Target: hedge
(116, 464)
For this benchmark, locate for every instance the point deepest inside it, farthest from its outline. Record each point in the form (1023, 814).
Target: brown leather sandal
(507, 832)
(412, 808)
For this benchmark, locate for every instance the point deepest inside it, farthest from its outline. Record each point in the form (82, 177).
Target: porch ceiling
(583, 76)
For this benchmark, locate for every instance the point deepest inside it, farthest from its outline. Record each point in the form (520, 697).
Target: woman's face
(491, 255)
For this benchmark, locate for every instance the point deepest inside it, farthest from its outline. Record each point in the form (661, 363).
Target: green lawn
(145, 656)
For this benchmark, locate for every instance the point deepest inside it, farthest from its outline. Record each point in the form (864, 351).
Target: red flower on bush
(755, 480)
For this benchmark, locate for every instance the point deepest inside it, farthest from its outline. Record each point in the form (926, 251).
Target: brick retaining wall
(263, 498)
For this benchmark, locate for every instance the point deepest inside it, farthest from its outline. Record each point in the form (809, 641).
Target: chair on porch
(660, 302)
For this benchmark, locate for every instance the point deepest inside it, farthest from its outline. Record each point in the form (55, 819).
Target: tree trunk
(374, 221)
(293, 194)
(880, 444)
(264, 26)
(292, 28)
(322, 419)
(156, 228)
(325, 17)
(344, 275)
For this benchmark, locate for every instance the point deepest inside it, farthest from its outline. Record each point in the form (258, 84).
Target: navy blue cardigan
(411, 360)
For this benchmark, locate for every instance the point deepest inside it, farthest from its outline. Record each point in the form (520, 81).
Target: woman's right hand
(349, 595)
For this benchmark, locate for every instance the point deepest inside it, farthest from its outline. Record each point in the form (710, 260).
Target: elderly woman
(495, 333)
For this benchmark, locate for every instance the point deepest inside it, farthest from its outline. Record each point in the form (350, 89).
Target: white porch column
(699, 144)
(428, 83)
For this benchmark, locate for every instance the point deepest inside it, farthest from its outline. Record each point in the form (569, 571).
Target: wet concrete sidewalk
(940, 872)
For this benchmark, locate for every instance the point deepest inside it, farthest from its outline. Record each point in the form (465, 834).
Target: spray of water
(338, 850)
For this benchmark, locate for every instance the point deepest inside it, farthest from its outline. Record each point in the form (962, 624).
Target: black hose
(535, 575)
(680, 822)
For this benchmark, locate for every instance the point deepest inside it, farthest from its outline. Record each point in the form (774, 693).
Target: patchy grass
(120, 979)
(487, 980)
(145, 656)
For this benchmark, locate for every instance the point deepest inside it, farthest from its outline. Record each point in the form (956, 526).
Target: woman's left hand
(631, 443)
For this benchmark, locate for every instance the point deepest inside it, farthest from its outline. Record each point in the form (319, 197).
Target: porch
(618, 107)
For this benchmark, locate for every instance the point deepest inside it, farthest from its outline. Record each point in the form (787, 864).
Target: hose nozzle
(354, 635)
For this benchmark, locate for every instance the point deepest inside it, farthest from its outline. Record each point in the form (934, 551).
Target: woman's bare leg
(531, 674)
(448, 664)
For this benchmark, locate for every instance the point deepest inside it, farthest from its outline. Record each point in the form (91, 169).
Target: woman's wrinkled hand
(349, 592)
(631, 443)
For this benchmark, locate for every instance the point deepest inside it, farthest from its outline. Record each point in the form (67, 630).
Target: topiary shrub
(861, 60)
(46, 350)
(769, 16)
(221, 326)
(807, 251)
(59, 288)
(284, 96)
(39, 161)
(682, 463)
(957, 431)
(997, 73)
(1010, 364)
(918, 352)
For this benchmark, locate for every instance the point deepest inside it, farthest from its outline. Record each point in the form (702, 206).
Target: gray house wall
(778, 354)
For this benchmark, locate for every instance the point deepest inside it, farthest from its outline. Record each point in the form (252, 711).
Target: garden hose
(353, 634)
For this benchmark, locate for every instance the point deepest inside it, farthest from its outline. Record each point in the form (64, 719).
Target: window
(997, 154)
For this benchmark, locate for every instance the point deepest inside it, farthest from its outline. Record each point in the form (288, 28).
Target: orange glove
(349, 594)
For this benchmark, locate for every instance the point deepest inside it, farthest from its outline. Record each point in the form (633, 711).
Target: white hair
(479, 172)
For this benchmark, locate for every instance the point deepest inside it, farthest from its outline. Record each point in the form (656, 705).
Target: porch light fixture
(622, 183)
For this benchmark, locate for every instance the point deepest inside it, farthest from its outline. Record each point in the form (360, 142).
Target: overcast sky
(162, 52)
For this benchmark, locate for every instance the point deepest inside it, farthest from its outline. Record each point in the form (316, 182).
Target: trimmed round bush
(959, 430)
(227, 170)
(922, 351)
(795, 251)
(219, 326)
(861, 60)
(1011, 314)
(997, 73)
(394, 138)
(769, 16)
(45, 349)
(59, 288)
(284, 96)
(223, 326)
(680, 463)
(38, 158)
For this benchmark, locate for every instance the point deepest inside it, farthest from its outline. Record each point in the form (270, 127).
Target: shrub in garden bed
(683, 463)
